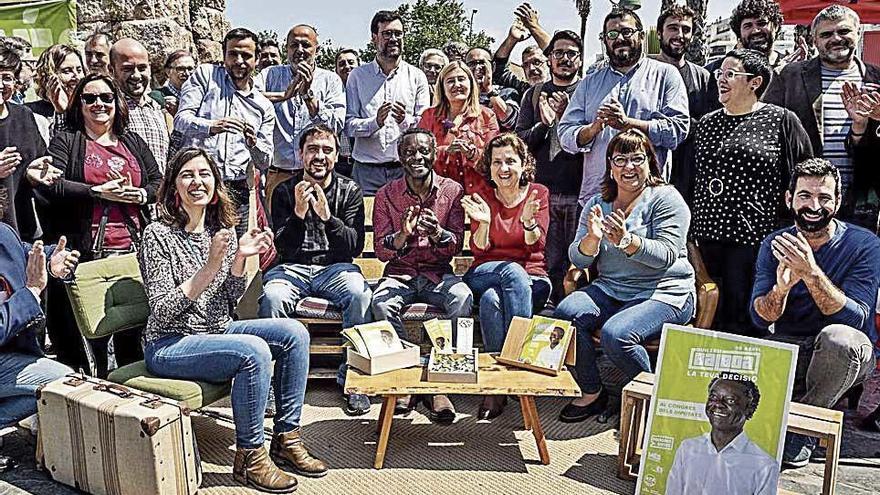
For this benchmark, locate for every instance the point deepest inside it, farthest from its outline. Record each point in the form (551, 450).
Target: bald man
(303, 95)
(130, 68)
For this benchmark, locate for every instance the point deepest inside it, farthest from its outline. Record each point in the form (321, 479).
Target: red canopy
(803, 11)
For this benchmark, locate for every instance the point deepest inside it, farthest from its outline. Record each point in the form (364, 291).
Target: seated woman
(193, 272)
(461, 126)
(635, 232)
(508, 232)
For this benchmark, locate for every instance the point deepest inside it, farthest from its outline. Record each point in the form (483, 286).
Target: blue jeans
(20, 377)
(340, 283)
(626, 327)
(243, 354)
(393, 294)
(504, 290)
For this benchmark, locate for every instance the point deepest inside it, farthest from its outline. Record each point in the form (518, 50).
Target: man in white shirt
(550, 356)
(725, 460)
(304, 95)
(383, 98)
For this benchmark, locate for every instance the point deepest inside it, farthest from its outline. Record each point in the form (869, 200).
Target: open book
(373, 339)
(546, 342)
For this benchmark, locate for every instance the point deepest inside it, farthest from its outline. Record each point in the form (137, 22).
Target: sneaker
(356, 404)
(798, 450)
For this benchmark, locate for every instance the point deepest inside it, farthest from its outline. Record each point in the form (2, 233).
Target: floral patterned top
(476, 129)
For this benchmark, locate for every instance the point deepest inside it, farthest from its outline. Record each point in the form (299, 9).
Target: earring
(177, 200)
(215, 199)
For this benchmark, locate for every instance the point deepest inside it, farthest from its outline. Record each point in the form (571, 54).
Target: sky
(347, 22)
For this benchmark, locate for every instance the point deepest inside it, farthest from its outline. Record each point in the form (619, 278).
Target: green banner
(43, 24)
(718, 415)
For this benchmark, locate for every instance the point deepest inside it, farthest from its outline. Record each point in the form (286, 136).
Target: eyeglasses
(92, 98)
(183, 69)
(476, 63)
(392, 34)
(625, 32)
(561, 54)
(621, 161)
(537, 62)
(8, 80)
(729, 74)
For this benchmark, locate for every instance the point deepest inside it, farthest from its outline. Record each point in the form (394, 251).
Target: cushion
(316, 307)
(107, 296)
(421, 312)
(194, 395)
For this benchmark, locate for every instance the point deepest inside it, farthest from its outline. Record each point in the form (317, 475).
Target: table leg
(537, 431)
(526, 414)
(832, 453)
(385, 417)
(626, 425)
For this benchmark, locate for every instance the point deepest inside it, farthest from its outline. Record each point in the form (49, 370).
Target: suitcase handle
(114, 389)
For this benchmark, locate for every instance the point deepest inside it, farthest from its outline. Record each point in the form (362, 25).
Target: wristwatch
(310, 95)
(625, 241)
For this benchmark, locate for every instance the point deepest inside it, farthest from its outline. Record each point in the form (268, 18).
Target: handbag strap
(133, 231)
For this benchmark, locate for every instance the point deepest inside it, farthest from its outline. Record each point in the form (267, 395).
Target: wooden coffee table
(494, 379)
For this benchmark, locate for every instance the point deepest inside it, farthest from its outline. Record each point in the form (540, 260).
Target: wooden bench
(817, 422)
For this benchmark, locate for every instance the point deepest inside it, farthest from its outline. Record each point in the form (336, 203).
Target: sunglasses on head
(92, 98)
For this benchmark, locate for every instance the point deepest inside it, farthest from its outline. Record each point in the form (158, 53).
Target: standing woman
(461, 125)
(508, 232)
(193, 270)
(100, 203)
(59, 69)
(745, 153)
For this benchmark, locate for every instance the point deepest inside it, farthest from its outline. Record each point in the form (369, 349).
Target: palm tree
(583, 7)
(697, 52)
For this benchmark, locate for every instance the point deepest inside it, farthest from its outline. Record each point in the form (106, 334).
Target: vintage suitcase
(103, 438)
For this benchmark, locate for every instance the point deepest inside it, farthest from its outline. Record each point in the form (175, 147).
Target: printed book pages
(373, 339)
(546, 343)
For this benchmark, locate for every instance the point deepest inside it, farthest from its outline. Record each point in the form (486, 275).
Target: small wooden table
(494, 379)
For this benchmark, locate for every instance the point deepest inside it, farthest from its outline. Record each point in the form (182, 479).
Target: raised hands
(796, 254)
(62, 262)
(613, 115)
(428, 225)
(530, 209)
(255, 242)
(57, 94)
(614, 226)
(476, 208)
(589, 244)
(307, 195)
(410, 221)
(36, 276)
(219, 247)
(528, 16)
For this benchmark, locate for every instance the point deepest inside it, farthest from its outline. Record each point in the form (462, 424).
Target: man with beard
(756, 24)
(816, 283)
(725, 460)
(542, 107)
(675, 26)
(97, 53)
(221, 112)
(814, 91)
(383, 98)
(130, 68)
(346, 61)
(270, 54)
(502, 101)
(304, 95)
(319, 228)
(418, 222)
(632, 91)
(534, 61)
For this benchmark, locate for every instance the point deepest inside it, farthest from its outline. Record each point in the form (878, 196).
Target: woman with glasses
(635, 233)
(744, 156)
(108, 176)
(178, 66)
(59, 69)
(461, 126)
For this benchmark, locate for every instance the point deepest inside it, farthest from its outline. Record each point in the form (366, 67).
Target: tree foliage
(428, 24)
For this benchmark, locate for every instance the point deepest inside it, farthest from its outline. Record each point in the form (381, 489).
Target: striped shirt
(836, 122)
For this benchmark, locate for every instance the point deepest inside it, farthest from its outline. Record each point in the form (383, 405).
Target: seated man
(816, 284)
(23, 368)
(419, 226)
(319, 227)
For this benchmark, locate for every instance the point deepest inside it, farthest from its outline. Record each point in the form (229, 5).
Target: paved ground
(496, 457)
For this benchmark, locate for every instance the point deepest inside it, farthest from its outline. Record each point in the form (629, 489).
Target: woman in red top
(462, 127)
(508, 232)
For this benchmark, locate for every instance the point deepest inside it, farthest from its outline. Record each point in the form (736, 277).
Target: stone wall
(161, 25)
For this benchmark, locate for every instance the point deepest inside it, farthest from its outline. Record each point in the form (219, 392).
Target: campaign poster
(718, 416)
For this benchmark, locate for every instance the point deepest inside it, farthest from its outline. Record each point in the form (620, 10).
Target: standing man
(178, 66)
(319, 228)
(631, 91)
(130, 68)
(816, 284)
(756, 24)
(534, 62)
(304, 95)
(270, 54)
(813, 90)
(676, 28)
(504, 102)
(97, 53)
(346, 61)
(542, 107)
(419, 226)
(383, 98)
(223, 113)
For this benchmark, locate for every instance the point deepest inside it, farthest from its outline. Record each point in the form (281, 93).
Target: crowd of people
(759, 160)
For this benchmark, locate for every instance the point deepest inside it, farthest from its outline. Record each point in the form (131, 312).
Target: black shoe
(440, 409)
(405, 404)
(871, 422)
(492, 407)
(356, 404)
(7, 463)
(575, 414)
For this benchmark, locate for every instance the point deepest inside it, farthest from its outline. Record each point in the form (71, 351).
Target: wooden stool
(812, 421)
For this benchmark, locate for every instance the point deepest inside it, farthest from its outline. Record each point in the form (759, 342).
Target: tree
(697, 51)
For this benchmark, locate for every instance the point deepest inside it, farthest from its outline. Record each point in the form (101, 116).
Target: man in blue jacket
(816, 287)
(24, 271)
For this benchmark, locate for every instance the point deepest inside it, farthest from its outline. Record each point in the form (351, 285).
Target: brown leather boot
(288, 450)
(253, 467)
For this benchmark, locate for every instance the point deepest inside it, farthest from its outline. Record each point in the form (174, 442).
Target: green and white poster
(43, 24)
(718, 415)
